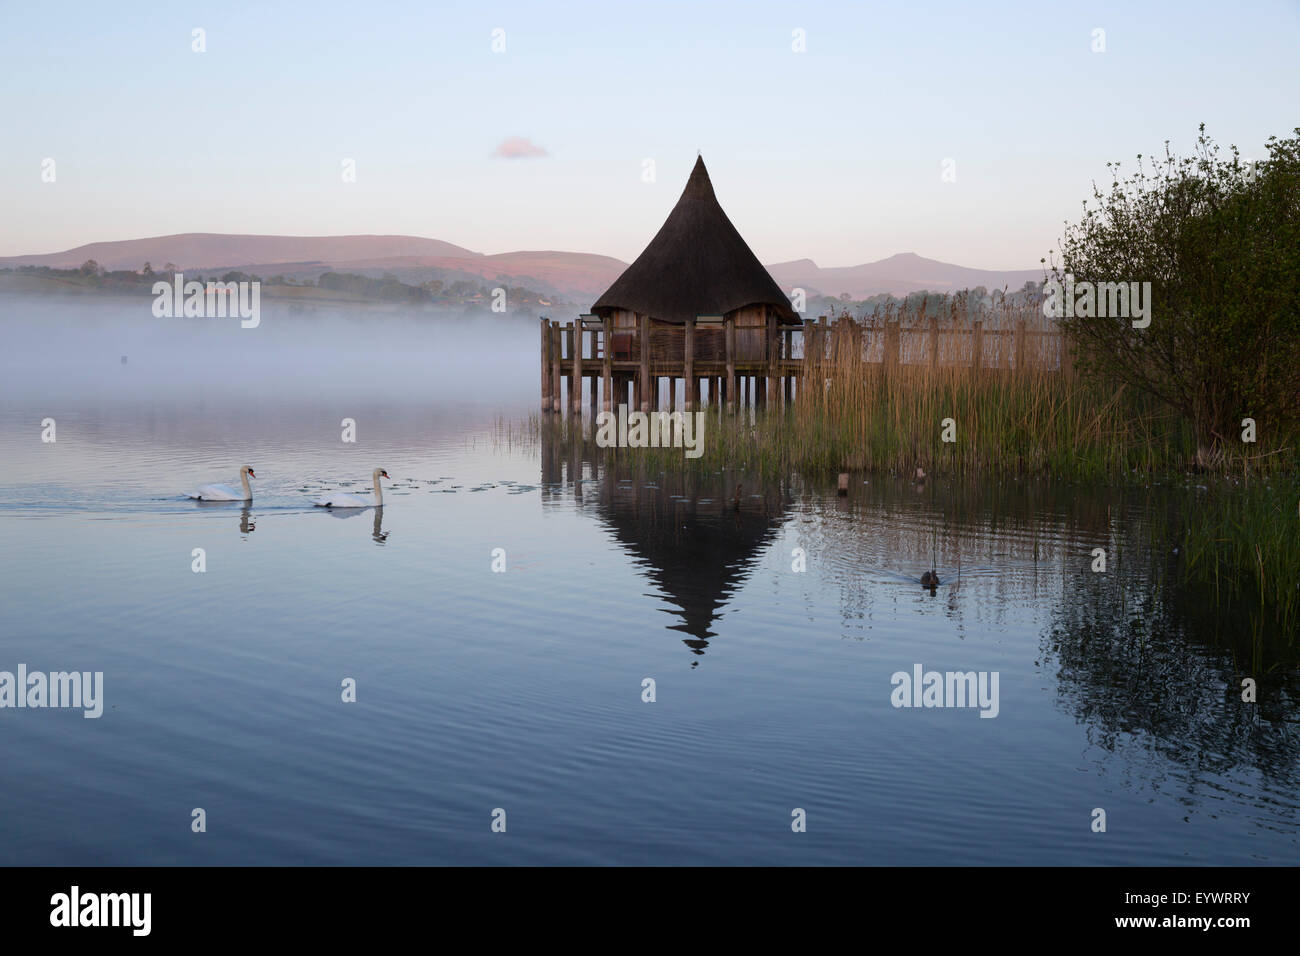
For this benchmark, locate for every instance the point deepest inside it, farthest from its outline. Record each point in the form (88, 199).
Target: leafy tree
(1219, 241)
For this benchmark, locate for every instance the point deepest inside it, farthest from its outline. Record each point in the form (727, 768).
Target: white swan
(339, 500)
(225, 492)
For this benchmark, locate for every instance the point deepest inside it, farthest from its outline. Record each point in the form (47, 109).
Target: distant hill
(575, 276)
(205, 250)
(572, 276)
(898, 275)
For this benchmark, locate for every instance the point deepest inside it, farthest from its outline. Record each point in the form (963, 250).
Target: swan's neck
(243, 477)
(379, 493)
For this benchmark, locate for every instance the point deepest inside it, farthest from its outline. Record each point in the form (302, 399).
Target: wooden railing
(715, 348)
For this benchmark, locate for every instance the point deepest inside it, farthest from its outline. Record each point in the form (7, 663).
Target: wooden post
(607, 362)
(575, 345)
(690, 385)
(546, 365)
(643, 321)
(934, 341)
(787, 376)
(557, 354)
(729, 337)
(977, 346)
(809, 351)
(1020, 346)
(773, 396)
(893, 342)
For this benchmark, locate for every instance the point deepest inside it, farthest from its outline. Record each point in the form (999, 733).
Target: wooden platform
(657, 366)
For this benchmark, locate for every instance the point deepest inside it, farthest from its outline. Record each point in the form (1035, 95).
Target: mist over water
(68, 347)
(522, 690)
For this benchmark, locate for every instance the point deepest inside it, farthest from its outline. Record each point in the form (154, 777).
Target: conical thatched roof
(697, 265)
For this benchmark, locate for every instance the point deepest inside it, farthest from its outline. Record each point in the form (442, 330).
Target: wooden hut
(696, 305)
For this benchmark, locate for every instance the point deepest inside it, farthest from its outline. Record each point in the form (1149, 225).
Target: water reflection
(377, 533)
(1160, 667)
(1146, 665)
(696, 537)
(246, 524)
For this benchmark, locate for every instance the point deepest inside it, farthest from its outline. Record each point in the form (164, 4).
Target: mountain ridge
(576, 275)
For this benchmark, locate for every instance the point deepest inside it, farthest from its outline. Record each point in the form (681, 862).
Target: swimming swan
(340, 500)
(225, 492)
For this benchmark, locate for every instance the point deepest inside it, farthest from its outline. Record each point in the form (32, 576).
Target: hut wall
(751, 333)
(624, 335)
(668, 341)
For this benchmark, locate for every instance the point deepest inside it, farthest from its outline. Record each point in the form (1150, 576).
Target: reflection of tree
(1134, 657)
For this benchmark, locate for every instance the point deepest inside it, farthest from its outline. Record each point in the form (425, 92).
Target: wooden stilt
(546, 365)
(688, 383)
(729, 337)
(575, 387)
(556, 374)
(645, 398)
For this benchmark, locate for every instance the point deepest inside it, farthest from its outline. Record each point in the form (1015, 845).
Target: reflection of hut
(698, 300)
(696, 548)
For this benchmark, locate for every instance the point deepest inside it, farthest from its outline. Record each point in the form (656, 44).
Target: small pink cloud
(519, 147)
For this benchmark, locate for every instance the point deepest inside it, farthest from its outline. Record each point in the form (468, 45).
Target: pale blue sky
(833, 154)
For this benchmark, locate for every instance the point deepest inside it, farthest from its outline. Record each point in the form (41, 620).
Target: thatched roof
(696, 265)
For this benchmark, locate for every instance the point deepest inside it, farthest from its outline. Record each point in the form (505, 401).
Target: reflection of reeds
(1241, 543)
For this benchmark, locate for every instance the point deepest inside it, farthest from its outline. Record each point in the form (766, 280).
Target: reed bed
(1239, 541)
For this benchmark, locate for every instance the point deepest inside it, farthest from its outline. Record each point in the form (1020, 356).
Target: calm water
(522, 690)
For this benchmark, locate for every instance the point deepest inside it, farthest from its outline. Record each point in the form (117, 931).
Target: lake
(772, 626)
